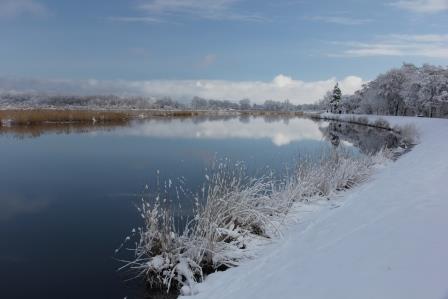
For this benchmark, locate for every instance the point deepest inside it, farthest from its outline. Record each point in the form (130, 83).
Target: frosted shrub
(361, 120)
(381, 123)
(233, 212)
(234, 207)
(336, 172)
(159, 252)
(409, 134)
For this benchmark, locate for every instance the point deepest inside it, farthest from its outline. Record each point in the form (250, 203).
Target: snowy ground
(385, 239)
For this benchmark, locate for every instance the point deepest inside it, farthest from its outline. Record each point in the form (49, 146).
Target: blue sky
(231, 40)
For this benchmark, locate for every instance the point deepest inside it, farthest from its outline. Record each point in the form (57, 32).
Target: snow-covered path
(386, 239)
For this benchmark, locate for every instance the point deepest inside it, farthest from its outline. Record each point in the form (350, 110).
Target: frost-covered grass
(337, 172)
(234, 214)
(408, 133)
(378, 123)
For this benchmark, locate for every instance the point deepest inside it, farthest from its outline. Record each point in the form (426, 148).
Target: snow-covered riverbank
(384, 239)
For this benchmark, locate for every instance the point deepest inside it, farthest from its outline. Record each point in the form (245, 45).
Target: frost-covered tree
(335, 98)
(245, 104)
(198, 103)
(167, 103)
(409, 90)
(390, 86)
(272, 105)
(434, 89)
(324, 103)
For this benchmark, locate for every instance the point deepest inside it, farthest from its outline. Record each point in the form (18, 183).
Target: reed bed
(36, 130)
(31, 117)
(42, 116)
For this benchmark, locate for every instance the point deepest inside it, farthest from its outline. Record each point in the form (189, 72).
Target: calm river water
(68, 194)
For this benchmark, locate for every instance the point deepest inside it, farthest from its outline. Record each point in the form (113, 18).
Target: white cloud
(282, 81)
(427, 45)
(422, 38)
(341, 20)
(280, 88)
(422, 6)
(135, 19)
(163, 10)
(188, 6)
(15, 8)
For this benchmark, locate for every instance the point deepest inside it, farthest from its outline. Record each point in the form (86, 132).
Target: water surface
(68, 193)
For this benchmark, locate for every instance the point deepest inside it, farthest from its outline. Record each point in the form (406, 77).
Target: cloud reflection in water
(280, 132)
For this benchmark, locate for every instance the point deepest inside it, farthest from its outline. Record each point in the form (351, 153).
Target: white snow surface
(387, 238)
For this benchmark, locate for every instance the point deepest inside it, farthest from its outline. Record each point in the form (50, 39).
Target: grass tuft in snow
(234, 213)
(409, 134)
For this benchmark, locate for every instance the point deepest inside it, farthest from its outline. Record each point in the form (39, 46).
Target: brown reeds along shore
(41, 116)
(29, 117)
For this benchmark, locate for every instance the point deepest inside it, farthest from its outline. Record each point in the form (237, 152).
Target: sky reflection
(280, 131)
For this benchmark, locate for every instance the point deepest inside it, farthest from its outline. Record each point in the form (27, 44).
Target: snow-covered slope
(385, 239)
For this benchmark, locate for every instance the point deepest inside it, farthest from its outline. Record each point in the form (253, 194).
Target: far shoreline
(52, 115)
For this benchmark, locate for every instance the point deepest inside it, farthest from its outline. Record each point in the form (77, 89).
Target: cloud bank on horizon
(280, 88)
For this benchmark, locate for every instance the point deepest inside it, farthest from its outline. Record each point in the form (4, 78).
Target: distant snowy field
(387, 238)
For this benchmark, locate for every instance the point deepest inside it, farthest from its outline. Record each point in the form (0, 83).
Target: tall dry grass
(30, 117)
(234, 212)
(42, 116)
(36, 130)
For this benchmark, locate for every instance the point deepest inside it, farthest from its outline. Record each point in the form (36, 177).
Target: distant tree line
(244, 104)
(408, 91)
(31, 100)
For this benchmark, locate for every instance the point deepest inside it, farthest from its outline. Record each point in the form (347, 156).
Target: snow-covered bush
(159, 252)
(381, 123)
(362, 120)
(409, 134)
(336, 172)
(234, 212)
